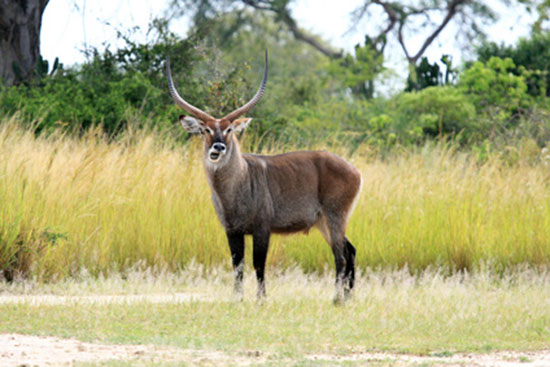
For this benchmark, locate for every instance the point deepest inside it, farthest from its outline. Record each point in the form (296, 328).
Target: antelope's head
(217, 132)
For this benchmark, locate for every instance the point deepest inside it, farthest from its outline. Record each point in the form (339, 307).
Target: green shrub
(492, 86)
(110, 88)
(358, 71)
(436, 111)
(430, 75)
(531, 57)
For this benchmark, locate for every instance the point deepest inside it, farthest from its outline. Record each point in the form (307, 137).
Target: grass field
(117, 243)
(69, 205)
(391, 312)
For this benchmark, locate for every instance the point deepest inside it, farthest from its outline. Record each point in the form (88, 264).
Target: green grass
(69, 205)
(391, 311)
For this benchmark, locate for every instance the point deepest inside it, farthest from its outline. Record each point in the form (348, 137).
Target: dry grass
(391, 311)
(68, 204)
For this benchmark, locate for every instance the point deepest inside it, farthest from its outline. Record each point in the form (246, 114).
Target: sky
(69, 26)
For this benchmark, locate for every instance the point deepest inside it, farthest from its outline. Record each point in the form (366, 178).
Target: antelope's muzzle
(216, 151)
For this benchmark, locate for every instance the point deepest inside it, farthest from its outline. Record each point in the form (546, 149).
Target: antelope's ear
(191, 124)
(241, 124)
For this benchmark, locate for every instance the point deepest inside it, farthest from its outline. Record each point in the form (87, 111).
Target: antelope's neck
(225, 180)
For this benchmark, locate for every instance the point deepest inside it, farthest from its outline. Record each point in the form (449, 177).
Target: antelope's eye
(210, 131)
(228, 130)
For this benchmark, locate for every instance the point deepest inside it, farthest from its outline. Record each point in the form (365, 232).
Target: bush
(494, 87)
(436, 111)
(531, 57)
(109, 89)
(70, 101)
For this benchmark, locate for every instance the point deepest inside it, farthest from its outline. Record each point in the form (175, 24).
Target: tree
(20, 22)
(430, 75)
(358, 71)
(205, 10)
(355, 71)
(402, 20)
(542, 8)
(427, 18)
(531, 58)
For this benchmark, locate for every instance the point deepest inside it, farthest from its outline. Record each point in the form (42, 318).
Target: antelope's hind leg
(340, 264)
(333, 229)
(349, 276)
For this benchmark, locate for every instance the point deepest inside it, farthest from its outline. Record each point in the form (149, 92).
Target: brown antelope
(258, 195)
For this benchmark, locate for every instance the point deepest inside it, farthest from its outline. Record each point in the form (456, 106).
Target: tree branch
(392, 15)
(451, 12)
(400, 16)
(394, 18)
(302, 36)
(402, 41)
(284, 15)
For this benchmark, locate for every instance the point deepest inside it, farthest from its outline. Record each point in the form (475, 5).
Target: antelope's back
(303, 185)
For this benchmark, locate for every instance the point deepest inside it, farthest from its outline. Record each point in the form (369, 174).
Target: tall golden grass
(68, 204)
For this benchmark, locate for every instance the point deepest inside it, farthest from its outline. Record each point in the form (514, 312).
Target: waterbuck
(258, 195)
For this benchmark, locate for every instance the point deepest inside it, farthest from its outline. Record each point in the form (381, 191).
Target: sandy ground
(498, 359)
(29, 351)
(33, 351)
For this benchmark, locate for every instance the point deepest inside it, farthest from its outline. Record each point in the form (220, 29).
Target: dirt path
(18, 350)
(497, 359)
(22, 350)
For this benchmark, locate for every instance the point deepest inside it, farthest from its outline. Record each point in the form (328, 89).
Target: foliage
(204, 12)
(108, 89)
(427, 75)
(309, 98)
(531, 58)
(240, 39)
(409, 118)
(399, 21)
(358, 71)
(430, 75)
(297, 77)
(494, 89)
(542, 8)
(437, 111)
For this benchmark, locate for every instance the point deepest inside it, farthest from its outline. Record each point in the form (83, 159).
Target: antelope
(286, 193)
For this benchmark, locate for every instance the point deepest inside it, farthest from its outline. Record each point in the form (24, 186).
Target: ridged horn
(198, 113)
(244, 109)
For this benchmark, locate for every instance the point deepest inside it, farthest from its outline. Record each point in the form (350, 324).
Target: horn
(198, 113)
(244, 109)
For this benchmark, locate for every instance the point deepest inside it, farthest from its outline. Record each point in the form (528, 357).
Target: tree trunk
(20, 22)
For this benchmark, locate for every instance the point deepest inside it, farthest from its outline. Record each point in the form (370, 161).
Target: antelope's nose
(220, 147)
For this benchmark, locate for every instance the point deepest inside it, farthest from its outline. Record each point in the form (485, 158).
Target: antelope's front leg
(236, 245)
(261, 245)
